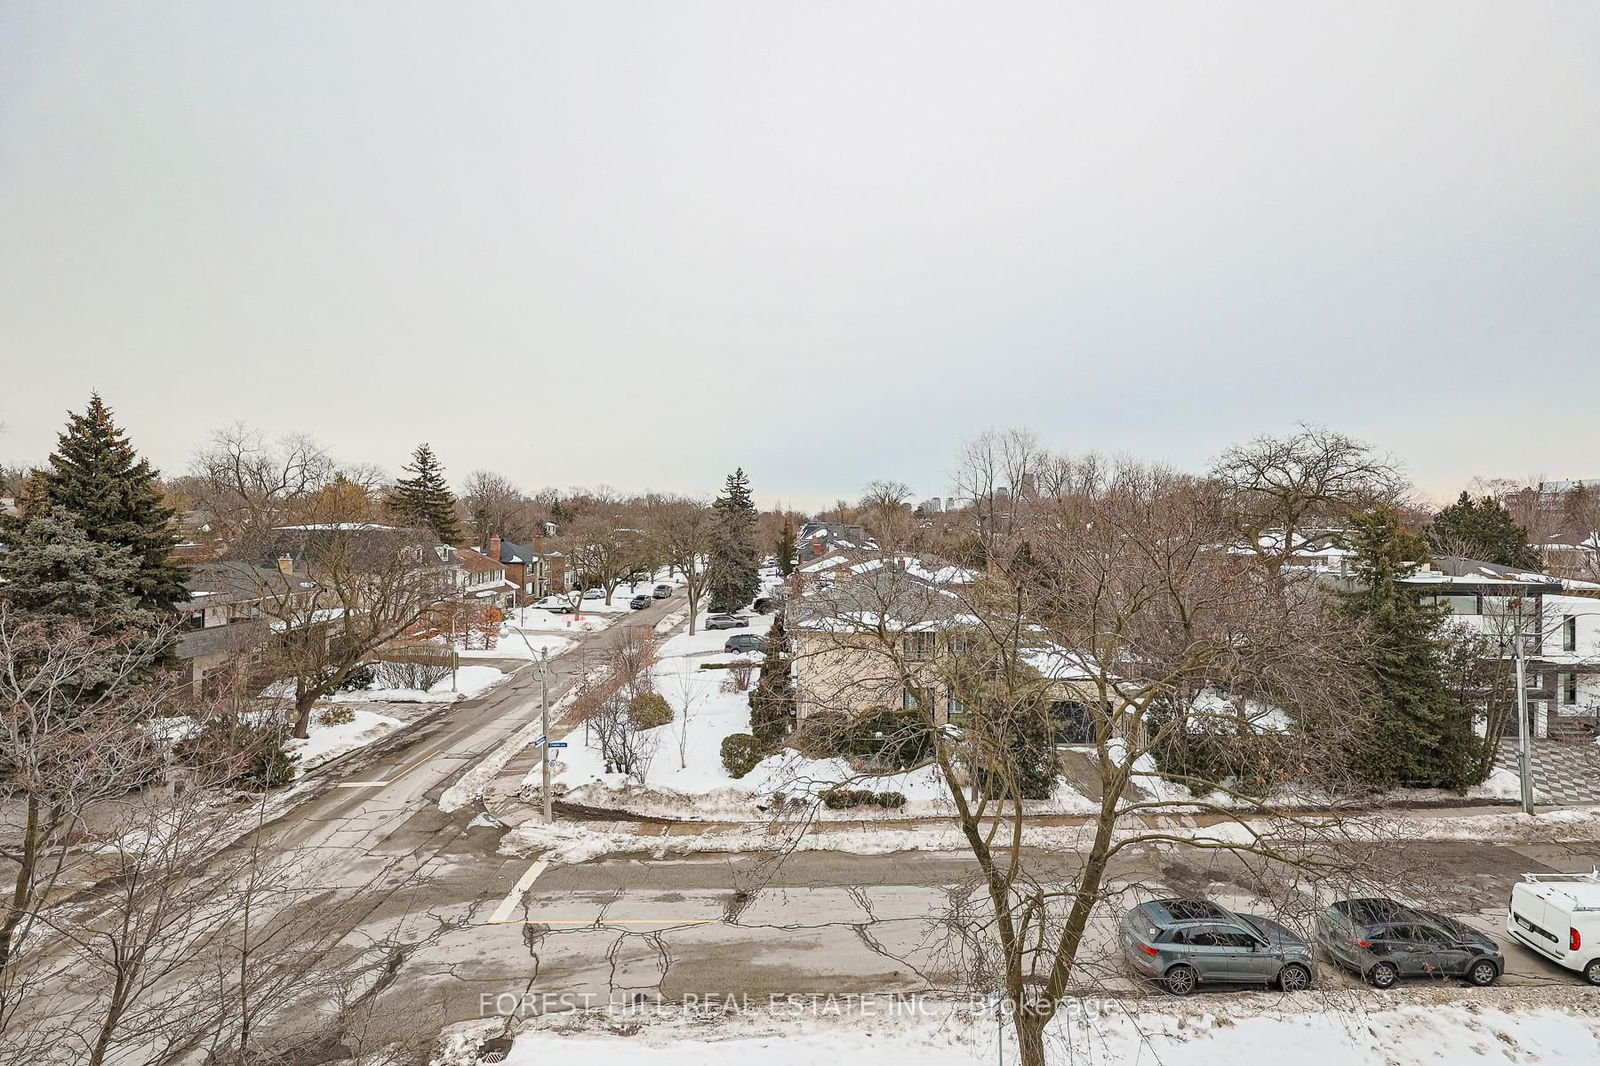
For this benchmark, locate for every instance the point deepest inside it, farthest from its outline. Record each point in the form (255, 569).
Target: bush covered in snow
(740, 753)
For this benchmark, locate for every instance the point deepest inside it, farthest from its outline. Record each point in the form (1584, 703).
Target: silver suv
(1187, 942)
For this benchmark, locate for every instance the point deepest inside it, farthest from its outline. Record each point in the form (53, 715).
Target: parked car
(745, 642)
(725, 621)
(639, 603)
(1184, 943)
(661, 592)
(559, 604)
(595, 594)
(1558, 916)
(1384, 940)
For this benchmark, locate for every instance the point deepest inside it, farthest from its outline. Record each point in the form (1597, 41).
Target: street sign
(558, 743)
(541, 740)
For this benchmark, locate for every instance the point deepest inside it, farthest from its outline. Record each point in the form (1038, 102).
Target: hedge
(841, 798)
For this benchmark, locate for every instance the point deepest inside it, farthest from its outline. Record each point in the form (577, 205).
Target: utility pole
(1524, 753)
(544, 724)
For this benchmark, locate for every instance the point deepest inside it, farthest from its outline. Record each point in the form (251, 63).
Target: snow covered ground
(330, 741)
(1235, 1031)
(470, 681)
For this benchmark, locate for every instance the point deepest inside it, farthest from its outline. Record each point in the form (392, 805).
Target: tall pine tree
(772, 700)
(733, 573)
(1482, 529)
(112, 495)
(423, 500)
(1420, 737)
(786, 548)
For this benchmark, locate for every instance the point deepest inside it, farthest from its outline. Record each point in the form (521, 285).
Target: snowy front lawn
(470, 681)
(686, 775)
(330, 741)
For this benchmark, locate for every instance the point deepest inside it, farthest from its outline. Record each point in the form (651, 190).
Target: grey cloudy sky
(638, 243)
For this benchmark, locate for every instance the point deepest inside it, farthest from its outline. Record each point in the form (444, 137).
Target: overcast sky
(636, 244)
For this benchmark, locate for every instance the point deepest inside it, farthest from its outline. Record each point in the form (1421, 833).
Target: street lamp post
(1524, 753)
(544, 724)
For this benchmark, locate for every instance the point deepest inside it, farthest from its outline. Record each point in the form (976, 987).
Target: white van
(1558, 915)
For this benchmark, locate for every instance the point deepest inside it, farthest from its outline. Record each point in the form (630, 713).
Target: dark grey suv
(1383, 941)
(1184, 943)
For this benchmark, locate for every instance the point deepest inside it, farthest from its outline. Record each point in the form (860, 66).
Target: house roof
(217, 584)
(475, 561)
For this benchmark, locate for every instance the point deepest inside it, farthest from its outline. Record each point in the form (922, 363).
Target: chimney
(286, 564)
(816, 547)
(493, 551)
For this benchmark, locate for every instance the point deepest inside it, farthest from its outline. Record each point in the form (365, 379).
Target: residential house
(1558, 622)
(480, 577)
(534, 571)
(842, 617)
(230, 610)
(818, 538)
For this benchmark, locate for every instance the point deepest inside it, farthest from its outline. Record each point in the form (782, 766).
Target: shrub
(842, 798)
(420, 676)
(1250, 763)
(269, 767)
(648, 710)
(898, 739)
(359, 678)
(740, 754)
(335, 715)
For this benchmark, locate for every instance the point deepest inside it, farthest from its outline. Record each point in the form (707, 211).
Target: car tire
(1294, 978)
(1482, 973)
(1180, 980)
(1382, 975)
(1591, 972)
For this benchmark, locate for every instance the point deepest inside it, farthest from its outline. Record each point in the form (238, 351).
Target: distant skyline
(639, 244)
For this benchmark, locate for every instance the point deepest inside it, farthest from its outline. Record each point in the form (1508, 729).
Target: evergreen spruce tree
(53, 573)
(772, 701)
(733, 574)
(1421, 737)
(1482, 529)
(424, 500)
(786, 549)
(112, 496)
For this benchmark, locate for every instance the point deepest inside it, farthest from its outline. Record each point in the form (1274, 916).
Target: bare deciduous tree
(1281, 486)
(1118, 606)
(680, 530)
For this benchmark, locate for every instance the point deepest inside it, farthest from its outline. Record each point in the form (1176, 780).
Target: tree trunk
(303, 701)
(22, 892)
(1030, 1036)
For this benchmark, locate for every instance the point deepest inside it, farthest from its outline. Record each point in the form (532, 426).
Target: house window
(1567, 684)
(952, 705)
(1569, 634)
(920, 645)
(911, 699)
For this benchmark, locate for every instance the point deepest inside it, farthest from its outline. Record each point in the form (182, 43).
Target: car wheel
(1294, 978)
(1382, 975)
(1591, 972)
(1482, 973)
(1180, 980)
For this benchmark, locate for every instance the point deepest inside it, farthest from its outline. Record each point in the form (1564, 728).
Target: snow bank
(329, 741)
(470, 681)
(1237, 1031)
